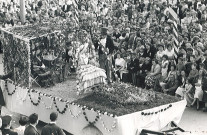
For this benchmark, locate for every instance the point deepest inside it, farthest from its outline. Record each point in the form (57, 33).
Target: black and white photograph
(103, 67)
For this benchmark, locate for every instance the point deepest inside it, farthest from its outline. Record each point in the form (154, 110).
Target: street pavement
(194, 121)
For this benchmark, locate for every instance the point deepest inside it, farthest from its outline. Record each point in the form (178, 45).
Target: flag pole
(22, 11)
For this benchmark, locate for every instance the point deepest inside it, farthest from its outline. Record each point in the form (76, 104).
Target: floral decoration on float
(121, 98)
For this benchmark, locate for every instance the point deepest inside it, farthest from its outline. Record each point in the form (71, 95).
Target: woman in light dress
(198, 96)
(120, 65)
(83, 50)
(160, 52)
(83, 55)
(170, 52)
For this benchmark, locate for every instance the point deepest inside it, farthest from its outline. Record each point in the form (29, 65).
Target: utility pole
(22, 11)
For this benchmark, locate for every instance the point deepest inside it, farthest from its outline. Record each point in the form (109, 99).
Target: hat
(104, 31)
(6, 120)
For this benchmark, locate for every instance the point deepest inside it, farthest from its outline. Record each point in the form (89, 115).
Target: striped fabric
(75, 3)
(174, 17)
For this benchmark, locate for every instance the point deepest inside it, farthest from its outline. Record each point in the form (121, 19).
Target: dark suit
(109, 45)
(141, 75)
(8, 132)
(188, 67)
(133, 68)
(151, 53)
(52, 129)
(30, 130)
(132, 41)
(102, 55)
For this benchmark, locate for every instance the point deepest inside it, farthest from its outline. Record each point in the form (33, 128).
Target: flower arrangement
(123, 93)
(121, 98)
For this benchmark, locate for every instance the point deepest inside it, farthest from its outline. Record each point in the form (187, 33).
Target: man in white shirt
(22, 121)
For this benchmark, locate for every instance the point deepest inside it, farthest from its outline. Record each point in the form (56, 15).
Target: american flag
(174, 17)
(75, 3)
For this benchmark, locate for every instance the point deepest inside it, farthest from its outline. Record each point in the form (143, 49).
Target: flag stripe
(76, 13)
(174, 17)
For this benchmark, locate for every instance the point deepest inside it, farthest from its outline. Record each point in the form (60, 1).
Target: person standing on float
(105, 44)
(83, 50)
(106, 48)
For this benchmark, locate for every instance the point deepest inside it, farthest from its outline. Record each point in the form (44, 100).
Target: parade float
(115, 109)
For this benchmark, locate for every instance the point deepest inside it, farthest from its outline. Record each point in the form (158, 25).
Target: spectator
(164, 66)
(153, 76)
(188, 65)
(170, 83)
(120, 65)
(194, 72)
(140, 77)
(51, 128)
(31, 128)
(160, 52)
(23, 121)
(189, 91)
(6, 126)
(180, 90)
(180, 65)
(170, 52)
(198, 96)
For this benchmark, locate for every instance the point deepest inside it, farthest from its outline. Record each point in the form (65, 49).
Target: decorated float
(115, 109)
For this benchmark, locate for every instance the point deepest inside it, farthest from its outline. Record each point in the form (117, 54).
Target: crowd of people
(28, 126)
(135, 40)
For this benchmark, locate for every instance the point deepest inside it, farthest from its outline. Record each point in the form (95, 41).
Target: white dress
(198, 91)
(83, 55)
